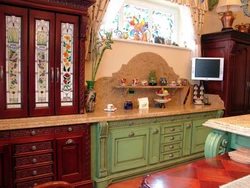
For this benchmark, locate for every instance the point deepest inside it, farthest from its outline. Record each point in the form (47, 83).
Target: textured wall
(138, 67)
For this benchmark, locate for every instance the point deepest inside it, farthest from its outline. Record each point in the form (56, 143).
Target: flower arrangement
(99, 47)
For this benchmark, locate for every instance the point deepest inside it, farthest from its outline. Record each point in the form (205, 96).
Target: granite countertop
(236, 124)
(99, 116)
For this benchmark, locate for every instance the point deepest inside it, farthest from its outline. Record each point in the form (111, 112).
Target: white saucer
(110, 110)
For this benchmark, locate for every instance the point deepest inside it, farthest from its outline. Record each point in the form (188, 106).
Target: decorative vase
(90, 97)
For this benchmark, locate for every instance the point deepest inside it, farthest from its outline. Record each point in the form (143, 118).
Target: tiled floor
(207, 173)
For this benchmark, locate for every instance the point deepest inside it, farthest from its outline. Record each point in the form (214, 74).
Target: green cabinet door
(128, 149)
(199, 135)
(187, 138)
(154, 144)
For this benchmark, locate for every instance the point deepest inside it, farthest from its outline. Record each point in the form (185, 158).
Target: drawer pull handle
(35, 184)
(52, 75)
(34, 161)
(130, 123)
(171, 138)
(33, 148)
(57, 74)
(34, 173)
(33, 133)
(171, 147)
(131, 134)
(1, 72)
(172, 129)
(173, 118)
(188, 126)
(155, 131)
(171, 155)
(70, 141)
(70, 129)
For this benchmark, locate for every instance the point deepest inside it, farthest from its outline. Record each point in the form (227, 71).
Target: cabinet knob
(70, 129)
(35, 184)
(34, 161)
(34, 173)
(188, 125)
(171, 155)
(33, 133)
(172, 129)
(131, 134)
(1, 72)
(69, 141)
(171, 138)
(173, 118)
(130, 123)
(33, 148)
(155, 131)
(171, 147)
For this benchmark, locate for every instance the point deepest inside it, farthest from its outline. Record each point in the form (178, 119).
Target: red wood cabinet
(41, 57)
(30, 157)
(234, 46)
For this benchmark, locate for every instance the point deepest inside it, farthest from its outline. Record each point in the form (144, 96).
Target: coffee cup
(110, 106)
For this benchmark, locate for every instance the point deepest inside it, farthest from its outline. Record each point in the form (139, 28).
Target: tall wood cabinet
(234, 46)
(42, 57)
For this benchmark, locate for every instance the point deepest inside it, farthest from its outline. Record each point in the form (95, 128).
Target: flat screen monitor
(207, 68)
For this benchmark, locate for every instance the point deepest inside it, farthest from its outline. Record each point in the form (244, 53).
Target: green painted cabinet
(130, 148)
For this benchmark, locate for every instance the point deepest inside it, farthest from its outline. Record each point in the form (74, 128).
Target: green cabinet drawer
(128, 149)
(171, 138)
(170, 147)
(170, 155)
(171, 128)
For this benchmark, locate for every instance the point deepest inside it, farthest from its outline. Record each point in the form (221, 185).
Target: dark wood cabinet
(234, 46)
(30, 157)
(42, 57)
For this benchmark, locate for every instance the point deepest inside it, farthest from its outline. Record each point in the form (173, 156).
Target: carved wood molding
(103, 172)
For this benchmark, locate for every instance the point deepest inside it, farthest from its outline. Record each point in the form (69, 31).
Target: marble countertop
(236, 124)
(99, 116)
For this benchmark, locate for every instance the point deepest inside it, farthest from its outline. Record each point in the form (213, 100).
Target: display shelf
(149, 87)
(130, 87)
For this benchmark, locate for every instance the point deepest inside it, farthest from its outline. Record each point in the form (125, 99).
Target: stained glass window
(67, 64)
(41, 63)
(163, 24)
(13, 61)
(143, 22)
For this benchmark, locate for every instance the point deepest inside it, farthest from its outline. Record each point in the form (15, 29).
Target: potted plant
(100, 45)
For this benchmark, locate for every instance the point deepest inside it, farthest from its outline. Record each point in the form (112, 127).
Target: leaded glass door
(41, 63)
(13, 62)
(67, 60)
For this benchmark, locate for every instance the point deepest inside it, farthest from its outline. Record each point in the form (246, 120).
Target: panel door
(41, 63)
(199, 135)
(67, 63)
(5, 166)
(13, 62)
(70, 158)
(239, 77)
(129, 149)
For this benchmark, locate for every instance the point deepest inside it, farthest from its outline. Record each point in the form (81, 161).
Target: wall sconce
(225, 8)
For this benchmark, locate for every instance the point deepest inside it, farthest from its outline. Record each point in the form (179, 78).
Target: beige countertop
(236, 124)
(99, 116)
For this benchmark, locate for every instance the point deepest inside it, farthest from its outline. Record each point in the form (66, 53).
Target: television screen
(207, 68)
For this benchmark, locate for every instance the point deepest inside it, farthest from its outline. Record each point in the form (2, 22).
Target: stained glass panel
(163, 24)
(13, 61)
(67, 64)
(41, 63)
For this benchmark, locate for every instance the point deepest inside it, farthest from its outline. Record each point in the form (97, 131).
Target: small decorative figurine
(152, 78)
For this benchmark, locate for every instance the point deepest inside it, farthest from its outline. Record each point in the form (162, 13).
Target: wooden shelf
(149, 87)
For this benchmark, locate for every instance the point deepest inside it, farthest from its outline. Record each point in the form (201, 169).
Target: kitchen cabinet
(130, 148)
(41, 155)
(40, 61)
(234, 46)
